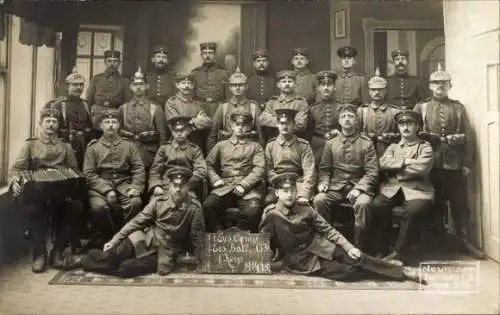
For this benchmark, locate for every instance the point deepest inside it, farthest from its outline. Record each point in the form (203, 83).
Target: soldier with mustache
(262, 85)
(161, 79)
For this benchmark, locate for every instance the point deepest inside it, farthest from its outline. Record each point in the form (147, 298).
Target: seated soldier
(116, 177)
(177, 152)
(220, 129)
(236, 171)
(309, 245)
(348, 172)
(408, 164)
(46, 152)
(288, 153)
(151, 241)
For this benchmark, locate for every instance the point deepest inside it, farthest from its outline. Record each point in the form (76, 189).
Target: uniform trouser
(216, 212)
(64, 217)
(450, 185)
(412, 221)
(327, 203)
(79, 145)
(120, 261)
(344, 268)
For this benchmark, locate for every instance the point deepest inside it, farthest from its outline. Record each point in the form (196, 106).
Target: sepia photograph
(249, 157)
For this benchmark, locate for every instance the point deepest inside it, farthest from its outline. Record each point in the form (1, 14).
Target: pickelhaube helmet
(238, 77)
(439, 75)
(138, 76)
(75, 77)
(377, 82)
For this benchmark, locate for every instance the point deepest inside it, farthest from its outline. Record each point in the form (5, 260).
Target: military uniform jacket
(222, 119)
(444, 118)
(324, 118)
(109, 89)
(411, 179)
(161, 86)
(210, 83)
(179, 105)
(166, 226)
(173, 154)
(237, 162)
(305, 85)
(351, 88)
(302, 235)
(349, 160)
(268, 116)
(261, 87)
(75, 113)
(404, 91)
(42, 152)
(378, 120)
(113, 165)
(294, 155)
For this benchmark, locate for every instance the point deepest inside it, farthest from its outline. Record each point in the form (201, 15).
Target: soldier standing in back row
(404, 90)
(305, 83)
(350, 87)
(76, 124)
(262, 85)
(209, 80)
(108, 89)
(161, 79)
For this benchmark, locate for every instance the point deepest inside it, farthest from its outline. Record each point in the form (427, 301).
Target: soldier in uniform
(447, 120)
(262, 85)
(409, 163)
(177, 152)
(46, 152)
(143, 120)
(161, 79)
(309, 245)
(236, 170)
(350, 87)
(286, 99)
(376, 119)
(348, 172)
(221, 127)
(403, 90)
(76, 124)
(152, 240)
(209, 80)
(323, 114)
(183, 104)
(116, 177)
(288, 153)
(108, 89)
(305, 82)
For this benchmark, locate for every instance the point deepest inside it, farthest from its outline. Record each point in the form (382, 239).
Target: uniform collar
(282, 141)
(110, 73)
(136, 101)
(209, 67)
(304, 71)
(48, 139)
(114, 142)
(235, 102)
(350, 139)
(235, 140)
(178, 145)
(346, 74)
(286, 98)
(183, 99)
(282, 208)
(403, 142)
(381, 107)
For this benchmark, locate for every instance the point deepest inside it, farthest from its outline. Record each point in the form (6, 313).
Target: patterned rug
(191, 279)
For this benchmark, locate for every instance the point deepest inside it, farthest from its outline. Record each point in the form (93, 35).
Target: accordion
(52, 185)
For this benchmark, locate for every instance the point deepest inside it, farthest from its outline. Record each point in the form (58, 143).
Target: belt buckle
(209, 99)
(106, 103)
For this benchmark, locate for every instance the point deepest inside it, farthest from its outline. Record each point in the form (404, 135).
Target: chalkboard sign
(236, 251)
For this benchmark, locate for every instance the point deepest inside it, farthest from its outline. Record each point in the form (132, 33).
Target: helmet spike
(377, 72)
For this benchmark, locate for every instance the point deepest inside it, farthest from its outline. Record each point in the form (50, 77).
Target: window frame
(5, 66)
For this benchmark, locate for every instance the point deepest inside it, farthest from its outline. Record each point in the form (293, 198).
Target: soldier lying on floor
(311, 246)
(151, 241)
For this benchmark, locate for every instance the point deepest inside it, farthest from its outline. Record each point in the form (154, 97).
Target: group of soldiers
(284, 154)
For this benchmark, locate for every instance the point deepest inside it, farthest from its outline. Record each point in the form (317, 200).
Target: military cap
(408, 115)
(138, 76)
(208, 46)
(347, 51)
(75, 77)
(439, 75)
(110, 113)
(237, 77)
(400, 52)
(179, 122)
(259, 53)
(50, 112)
(347, 107)
(179, 174)
(160, 49)
(284, 180)
(286, 74)
(300, 51)
(181, 76)
(112, 54)
(377, 82)
(285, 114)
(241, 115)
(325, 76)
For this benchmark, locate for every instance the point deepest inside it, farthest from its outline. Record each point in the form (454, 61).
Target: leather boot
(39, 263)
(56, 259)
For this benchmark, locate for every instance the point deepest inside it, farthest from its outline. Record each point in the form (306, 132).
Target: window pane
(83, 67)
(84, 43)
(102, 42)
(99, 66)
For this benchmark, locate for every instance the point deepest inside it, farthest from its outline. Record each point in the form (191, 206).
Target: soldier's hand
(466, 170)
(239, 190)
(354, 253)
(16, 188)
(219, 183)
(362, 202)
(107, 246)
(322, 187)
(353, 195)
(410, 161)
(132, 192)
(111, 197)
(158, 191)
(302, 201)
